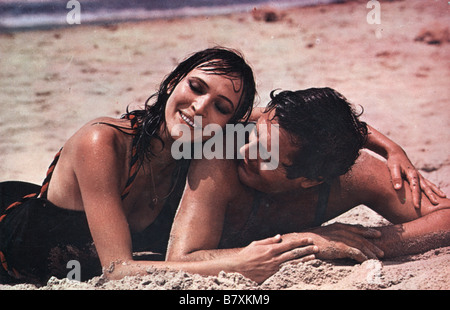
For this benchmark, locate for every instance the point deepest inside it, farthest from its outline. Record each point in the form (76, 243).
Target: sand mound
(417, 272)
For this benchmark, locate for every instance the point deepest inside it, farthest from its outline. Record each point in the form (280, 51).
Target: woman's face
(209, 98)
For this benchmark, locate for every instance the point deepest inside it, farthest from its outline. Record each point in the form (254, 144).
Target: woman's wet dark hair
(218, 60)
(325, 127)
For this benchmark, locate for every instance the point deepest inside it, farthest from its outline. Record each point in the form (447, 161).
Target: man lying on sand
(227, 204)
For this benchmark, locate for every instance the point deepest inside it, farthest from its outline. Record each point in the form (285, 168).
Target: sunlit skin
(223, 191)
(94, 167)
(202, 94)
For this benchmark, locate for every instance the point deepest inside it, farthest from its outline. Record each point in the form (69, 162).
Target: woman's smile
(188, 120)
(201, 99)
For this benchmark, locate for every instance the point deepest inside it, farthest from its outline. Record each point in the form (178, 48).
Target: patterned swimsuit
(38, 238)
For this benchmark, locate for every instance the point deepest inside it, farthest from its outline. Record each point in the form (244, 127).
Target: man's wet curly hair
(325, 127)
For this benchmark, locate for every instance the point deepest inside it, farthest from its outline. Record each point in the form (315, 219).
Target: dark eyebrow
(200, 80)
(229, 101)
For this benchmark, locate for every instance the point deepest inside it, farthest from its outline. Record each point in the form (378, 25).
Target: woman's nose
(200, 106)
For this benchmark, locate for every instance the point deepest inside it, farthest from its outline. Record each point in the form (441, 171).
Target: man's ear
(308, 183)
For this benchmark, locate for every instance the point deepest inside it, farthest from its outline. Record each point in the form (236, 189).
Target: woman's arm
(97, 161)
(200, 217)
(399, 165)
(197, 228)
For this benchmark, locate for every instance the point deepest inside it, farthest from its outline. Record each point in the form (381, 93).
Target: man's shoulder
(368, 165)
(368, 176)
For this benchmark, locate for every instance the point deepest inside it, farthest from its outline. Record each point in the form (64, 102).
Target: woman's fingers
(270, 240)
(371, 251)
(431, 190)
(396, 176)
(419, 184)
(291, 248)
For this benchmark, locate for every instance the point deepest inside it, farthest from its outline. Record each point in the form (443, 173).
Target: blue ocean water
(50, 13)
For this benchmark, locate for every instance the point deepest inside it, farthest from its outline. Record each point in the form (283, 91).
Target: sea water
(30, 14)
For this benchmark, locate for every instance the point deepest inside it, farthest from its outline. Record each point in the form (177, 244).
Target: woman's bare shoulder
(103, 129)
(100, 135)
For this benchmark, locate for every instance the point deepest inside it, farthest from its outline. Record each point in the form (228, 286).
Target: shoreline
(97, 16)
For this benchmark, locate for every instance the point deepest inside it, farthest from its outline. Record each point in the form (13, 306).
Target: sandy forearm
(119, 270)
(423, 234)
(202, 255)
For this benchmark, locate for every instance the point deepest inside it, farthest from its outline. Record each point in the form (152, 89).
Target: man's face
(251, 171)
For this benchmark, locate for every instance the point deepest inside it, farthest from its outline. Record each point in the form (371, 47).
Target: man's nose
(249, 150)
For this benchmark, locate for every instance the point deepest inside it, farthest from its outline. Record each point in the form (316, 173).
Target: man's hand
(337, 241)
(261, 259)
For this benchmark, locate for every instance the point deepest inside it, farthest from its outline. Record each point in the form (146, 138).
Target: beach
(53, 81)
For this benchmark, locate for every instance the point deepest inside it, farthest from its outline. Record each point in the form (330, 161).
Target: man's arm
(414, 230)
(425, 233)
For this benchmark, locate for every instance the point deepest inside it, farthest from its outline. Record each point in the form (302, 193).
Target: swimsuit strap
(42, 192)
(134, 161)
(257, 197)
(51, 168)
(322, 202)
(134, 167)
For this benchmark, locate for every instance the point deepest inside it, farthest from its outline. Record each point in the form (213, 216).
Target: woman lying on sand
(115, 183)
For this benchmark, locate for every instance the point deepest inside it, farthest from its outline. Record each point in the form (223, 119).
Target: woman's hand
(400, 166)
(261, 259)
(337, 241)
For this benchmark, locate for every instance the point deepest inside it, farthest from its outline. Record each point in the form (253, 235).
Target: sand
(54, 81)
